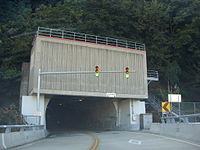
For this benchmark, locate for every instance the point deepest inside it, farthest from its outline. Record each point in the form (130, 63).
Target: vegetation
(170, 29)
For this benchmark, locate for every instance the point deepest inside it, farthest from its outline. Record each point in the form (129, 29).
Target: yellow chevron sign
(166, 107)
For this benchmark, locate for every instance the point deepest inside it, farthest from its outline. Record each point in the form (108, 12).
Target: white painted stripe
(178, 140)
(173, 139)
(132, 141)
(3, 141)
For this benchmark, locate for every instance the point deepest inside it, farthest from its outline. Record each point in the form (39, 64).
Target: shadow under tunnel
(80, 113)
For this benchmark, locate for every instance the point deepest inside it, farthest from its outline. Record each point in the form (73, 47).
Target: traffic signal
(97, 71)
(127, 72)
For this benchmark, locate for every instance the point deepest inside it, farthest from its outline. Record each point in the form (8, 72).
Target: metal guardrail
(58, 33)
(181, 118)
(8, 128)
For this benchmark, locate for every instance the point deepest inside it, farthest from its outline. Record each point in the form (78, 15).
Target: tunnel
(80, 113)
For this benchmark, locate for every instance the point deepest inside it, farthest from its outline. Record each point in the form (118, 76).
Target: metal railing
(8, 128)
(152, 75)
(181, 118)
(186, 108)
(58, 33)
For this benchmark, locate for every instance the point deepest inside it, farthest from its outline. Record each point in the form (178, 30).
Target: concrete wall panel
(53, 55)
(8, 140)
(180, 130)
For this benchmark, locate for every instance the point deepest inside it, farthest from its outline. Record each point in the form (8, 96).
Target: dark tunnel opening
(80, 113)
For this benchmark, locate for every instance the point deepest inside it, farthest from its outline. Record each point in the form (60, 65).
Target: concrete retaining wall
(179, 130)
(8, 140)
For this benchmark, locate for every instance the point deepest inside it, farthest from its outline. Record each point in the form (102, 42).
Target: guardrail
(58, 33)
(181, 118)
(8, 128)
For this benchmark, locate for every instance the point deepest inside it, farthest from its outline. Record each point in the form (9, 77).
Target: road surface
(110, 140)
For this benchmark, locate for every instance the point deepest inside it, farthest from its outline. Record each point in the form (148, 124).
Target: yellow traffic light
(97, 71)
(127, 72)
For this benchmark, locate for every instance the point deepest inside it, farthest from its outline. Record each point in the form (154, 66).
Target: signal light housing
(127, 72)
(97, 71)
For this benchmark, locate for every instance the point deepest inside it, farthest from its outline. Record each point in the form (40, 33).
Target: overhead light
(80, 100)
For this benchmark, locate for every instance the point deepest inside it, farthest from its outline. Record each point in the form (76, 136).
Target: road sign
(166, 107)
(111, 94)
(174, 98)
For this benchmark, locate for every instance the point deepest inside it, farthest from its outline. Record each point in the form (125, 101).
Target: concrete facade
(61, 55)
(57, 55)
(129, 114)
(29, 108)
(110, 114)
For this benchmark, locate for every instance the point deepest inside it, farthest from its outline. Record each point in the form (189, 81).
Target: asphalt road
(115, 140)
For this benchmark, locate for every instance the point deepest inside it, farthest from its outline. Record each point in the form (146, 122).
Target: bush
(10, 115)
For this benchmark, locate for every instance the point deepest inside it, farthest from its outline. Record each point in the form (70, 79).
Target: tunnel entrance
(73, 113)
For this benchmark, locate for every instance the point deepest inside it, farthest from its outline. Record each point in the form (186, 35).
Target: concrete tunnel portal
(80, 113)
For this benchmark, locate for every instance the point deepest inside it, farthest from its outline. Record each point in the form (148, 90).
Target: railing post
(116, 42)
(144, 47)
(126, 44)
(38, 31)
(62, 34)
(106, 40)
(50, 32)
(85, 38)
(8, 130)
(96, 39)
(22, 129)
(38, 94)
(74, 36)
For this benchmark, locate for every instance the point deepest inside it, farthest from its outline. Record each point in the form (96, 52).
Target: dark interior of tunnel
(79, 113)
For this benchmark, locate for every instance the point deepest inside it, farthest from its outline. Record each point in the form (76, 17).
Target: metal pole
(82, 72)
(106, 40)
(50, 32)
(38, 94)
(194, 108)
(195, 119)
(62, 34)
(38, 30)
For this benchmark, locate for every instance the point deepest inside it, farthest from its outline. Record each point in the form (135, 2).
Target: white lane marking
(22, 146)
(3, 141)
(132, 141)
(173, 139)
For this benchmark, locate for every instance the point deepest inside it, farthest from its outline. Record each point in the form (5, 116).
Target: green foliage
(170, 29)
(10, 115)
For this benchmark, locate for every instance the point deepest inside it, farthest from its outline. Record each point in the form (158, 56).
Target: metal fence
(192, 118)
(58, 33)
(184, 112)
(185, 108)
